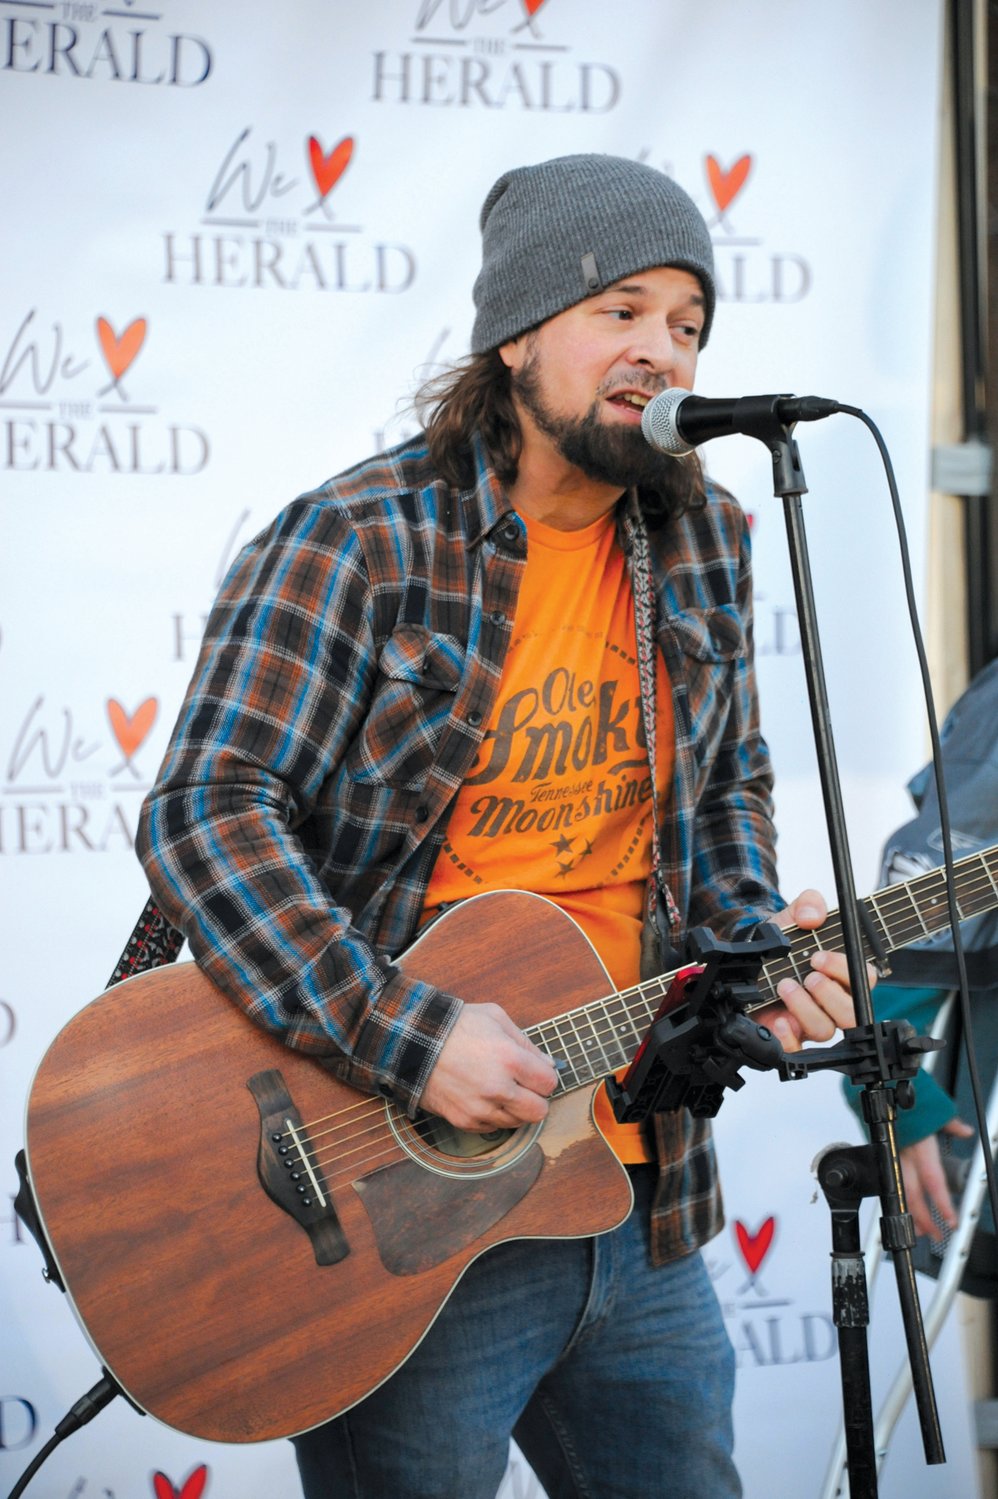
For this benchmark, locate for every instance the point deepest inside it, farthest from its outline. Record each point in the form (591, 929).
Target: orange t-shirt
(558, 800)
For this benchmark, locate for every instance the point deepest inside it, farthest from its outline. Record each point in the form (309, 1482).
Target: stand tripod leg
(857, 1405)
(842, 1174)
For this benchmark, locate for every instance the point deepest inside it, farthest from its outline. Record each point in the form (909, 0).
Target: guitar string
(607, 1026)
(607, 1013)
(390, 1146)
(898, 897)
(775, 970)
(317, 1159)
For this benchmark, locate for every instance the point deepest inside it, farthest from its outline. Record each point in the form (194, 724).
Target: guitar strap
(654, 943)
(153, 943)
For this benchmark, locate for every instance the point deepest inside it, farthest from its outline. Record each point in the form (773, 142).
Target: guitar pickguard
(420, 1218)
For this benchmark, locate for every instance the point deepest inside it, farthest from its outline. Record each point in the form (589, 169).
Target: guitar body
(150, 1133)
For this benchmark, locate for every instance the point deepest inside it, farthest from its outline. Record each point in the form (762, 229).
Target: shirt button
(422, 812)
(497, 617)
(474, 718)
(511, 534)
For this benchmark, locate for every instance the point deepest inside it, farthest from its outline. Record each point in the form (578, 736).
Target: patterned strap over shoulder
(643, 588)
(153, 943)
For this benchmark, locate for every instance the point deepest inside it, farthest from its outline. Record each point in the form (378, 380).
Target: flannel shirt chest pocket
(707, 645)
(417, 679)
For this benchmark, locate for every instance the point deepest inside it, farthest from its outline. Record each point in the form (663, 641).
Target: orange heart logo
(755, 1247)
(327, 170)
(131, 731)
(726, 186)
(532, 6)
(191, 1488)
(120, 352)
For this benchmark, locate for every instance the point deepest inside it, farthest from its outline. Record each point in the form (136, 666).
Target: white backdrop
(234, 237)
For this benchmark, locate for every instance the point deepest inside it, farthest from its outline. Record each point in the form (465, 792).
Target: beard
(610, 453)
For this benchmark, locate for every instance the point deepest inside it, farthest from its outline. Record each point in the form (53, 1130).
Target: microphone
(676, 421)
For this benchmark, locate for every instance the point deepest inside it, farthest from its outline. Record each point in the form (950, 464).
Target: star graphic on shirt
(564, 870)
(587, 850)
(563, 844)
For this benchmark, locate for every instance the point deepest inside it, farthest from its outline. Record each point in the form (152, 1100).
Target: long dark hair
(476, 395)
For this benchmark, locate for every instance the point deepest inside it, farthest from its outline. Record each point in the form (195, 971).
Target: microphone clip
(772, 419)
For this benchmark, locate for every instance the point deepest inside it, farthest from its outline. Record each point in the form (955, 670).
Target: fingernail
(808, 913)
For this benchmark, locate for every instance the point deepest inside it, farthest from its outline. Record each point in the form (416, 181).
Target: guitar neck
(601, 1037)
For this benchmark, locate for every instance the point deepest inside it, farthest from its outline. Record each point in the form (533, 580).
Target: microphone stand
(846, 1176)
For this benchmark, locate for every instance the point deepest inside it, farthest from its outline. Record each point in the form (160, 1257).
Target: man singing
(525, 610)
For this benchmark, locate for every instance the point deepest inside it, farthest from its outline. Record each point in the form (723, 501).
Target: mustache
(647, 384)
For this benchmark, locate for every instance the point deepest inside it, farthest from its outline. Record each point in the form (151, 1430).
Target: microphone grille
(659, 422)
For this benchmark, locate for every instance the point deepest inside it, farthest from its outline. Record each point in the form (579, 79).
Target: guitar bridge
(288, 1172)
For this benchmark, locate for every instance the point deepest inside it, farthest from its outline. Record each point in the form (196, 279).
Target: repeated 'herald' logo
(71, 401)
(766, 1329)
(493, 54)
(81, 39)
(74, 776)
(746, 268)
(281, 215)
(777, 629)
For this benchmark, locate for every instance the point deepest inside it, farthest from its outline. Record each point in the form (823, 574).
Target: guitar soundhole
(438, 1145)
(462, 1143)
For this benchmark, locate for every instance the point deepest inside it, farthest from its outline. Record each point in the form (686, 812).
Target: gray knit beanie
(558, 232)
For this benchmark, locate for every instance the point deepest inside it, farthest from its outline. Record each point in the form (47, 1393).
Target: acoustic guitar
(252, 1247)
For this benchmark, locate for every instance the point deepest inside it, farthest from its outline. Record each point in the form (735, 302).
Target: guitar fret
(877, 915)
(768, 980)
(593, 1047)
(987, 871)
(551, 1046)
(977, 897)
(791, 958)
(630, 1025)
(567, 1042)
(609, 1065)
(614, 1049)
(937, 902)
(649, 996)
(547, 1036)
(903, 929)
(915, 907)
(620, 1026)
(577, 1041)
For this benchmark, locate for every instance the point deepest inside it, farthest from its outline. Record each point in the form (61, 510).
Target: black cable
(944, 822)
(85, 1409)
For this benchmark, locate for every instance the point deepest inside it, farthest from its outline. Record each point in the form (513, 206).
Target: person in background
(934, 1136)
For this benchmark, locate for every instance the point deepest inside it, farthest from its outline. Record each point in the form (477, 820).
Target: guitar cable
(86, 1408)
(963, 986)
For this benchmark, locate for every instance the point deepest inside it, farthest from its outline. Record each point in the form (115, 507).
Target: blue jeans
(615, 1378)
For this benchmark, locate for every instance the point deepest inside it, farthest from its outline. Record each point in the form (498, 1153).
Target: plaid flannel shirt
(347, 673)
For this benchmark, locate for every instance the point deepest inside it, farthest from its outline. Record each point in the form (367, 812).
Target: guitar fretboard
(600, 1037)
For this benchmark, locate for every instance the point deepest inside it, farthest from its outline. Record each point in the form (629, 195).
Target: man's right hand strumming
(489, 1075)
